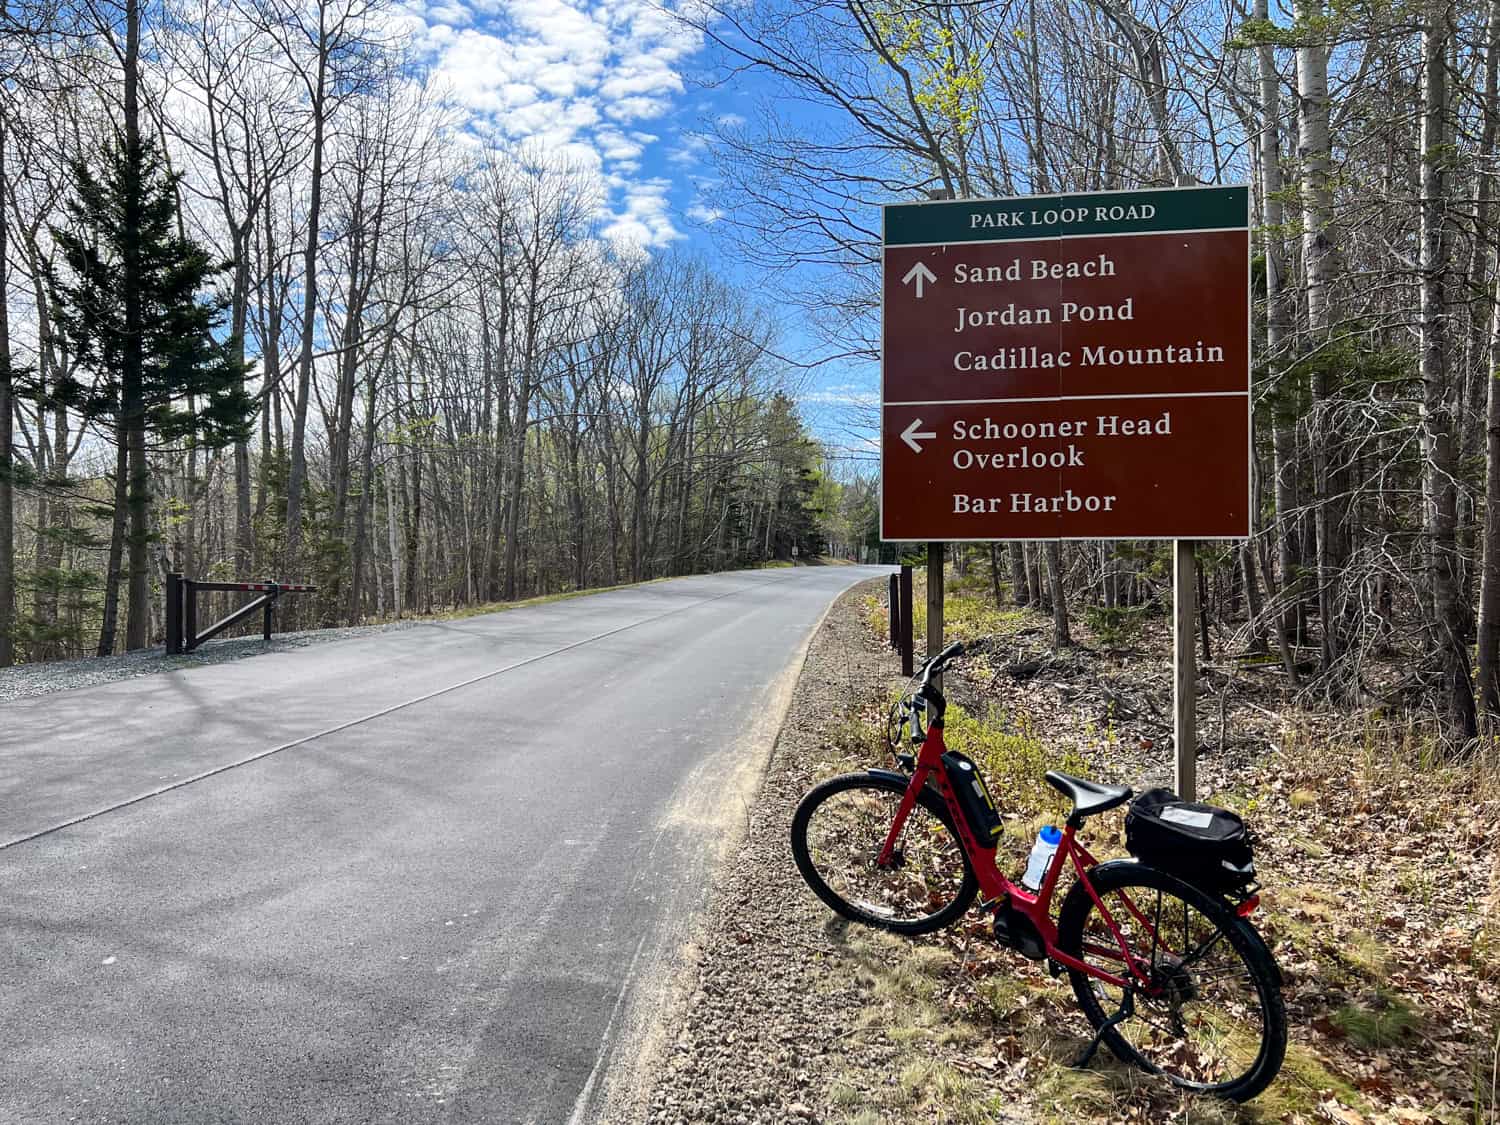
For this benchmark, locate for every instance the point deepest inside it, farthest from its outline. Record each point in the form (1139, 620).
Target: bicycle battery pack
(973, 797)
(1201, 844)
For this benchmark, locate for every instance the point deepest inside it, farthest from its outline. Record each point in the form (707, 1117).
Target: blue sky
(611, 87)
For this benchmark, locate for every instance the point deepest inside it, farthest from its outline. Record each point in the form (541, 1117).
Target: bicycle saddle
(1088, 797)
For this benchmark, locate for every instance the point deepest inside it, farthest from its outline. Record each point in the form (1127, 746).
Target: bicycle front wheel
(838, 832)
(1209, 1016)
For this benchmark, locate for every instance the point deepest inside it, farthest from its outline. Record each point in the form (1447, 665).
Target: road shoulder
(760, 1028)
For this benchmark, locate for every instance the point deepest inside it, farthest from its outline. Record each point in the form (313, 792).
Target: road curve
(420, 876)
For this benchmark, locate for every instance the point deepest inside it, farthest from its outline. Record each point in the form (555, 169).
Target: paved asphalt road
(430, 875)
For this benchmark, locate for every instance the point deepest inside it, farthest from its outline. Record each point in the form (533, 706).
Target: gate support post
(174, 614)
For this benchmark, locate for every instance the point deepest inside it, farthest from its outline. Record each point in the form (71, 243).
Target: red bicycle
(1161, 956)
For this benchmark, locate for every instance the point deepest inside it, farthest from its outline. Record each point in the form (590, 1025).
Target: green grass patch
(1382, 1019)
(1303, 1084)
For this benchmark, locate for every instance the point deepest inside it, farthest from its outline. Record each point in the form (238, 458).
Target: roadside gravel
(31, 680)
(771, 1019)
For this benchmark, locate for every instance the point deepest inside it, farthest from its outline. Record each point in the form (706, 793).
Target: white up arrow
(911, 433)
(922, 274)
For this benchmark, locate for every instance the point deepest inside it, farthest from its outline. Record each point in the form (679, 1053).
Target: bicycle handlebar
(934, 665)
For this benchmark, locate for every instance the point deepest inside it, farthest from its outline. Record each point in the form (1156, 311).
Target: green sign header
(1059, 216)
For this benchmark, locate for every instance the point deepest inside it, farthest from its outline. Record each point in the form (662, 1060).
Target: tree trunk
(1018, 585)
(362, 509)
(1439, 397)
(1061, 637)
(7, 455)
(1278, 329)
(132, 401)
(108, 626)
(1489, 579)
(1489, 584)
(297, 473)
(1318, 264)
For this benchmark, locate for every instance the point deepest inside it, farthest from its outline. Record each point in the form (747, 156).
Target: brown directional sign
(1067, 367)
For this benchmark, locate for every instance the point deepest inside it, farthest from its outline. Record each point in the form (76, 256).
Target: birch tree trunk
(1318, 265)
(1278, 329)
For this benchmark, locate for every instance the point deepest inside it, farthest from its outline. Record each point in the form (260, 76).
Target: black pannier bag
(1204, 845)
(973, 797)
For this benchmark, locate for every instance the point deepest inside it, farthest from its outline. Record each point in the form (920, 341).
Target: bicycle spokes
(922, 874)
(1198, 1015)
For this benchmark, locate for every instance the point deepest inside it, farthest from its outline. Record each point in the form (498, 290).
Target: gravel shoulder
(28, 681)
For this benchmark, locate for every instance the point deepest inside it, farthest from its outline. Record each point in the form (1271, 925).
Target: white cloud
(646, 220)
(705, 215)
(691, 150)
(842, 394)
(572, 77)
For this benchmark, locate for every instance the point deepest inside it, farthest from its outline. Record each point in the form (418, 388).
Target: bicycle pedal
(1054, 968)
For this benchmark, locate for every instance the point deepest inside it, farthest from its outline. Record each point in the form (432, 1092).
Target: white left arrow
(911, 433)
(922, 274)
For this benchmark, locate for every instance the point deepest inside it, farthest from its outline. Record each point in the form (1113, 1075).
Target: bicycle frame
(996, 888)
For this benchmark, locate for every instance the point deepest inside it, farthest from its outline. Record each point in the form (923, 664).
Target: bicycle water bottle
(1041, 858)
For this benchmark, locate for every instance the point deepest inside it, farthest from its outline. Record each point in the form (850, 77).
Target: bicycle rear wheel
(837, 834)
(1210, 1017)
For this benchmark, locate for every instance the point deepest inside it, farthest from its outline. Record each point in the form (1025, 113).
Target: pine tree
(134, 306)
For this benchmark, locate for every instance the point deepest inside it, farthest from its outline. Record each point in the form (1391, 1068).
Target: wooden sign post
(1069, 367)
(935, 553)
(1184, 670)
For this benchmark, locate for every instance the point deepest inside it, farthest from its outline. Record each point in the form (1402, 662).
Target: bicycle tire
(1259, 968)
(955, 891)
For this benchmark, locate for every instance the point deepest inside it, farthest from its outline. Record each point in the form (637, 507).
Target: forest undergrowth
(1377, 852)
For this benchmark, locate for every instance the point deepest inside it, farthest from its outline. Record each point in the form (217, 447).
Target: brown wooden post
(1184, 668)
(895, 600)
(935, 554)
(174, 614)
(908, 663)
